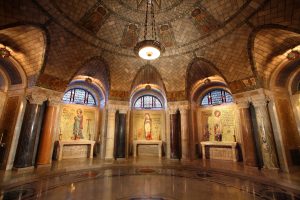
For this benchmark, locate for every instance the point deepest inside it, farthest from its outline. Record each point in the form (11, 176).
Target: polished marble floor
(148, 178)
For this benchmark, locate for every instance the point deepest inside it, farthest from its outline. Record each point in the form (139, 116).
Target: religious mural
(77, 122)
(147, 125)
(94, 18)
(176, 96)
(243, 85)
(219, 123)
(130, 36)
(203, 20)
(166, 35)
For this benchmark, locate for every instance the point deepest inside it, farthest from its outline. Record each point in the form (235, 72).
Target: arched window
(147, 102)
(79, 96)
(216, 97)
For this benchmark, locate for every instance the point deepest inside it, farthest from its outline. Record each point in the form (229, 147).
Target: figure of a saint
(217, 126)
(148, 126)
(78, 125)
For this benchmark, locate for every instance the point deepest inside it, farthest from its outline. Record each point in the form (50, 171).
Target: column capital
(122, 106)
(179, 105)
(38, 95)
(172, 111)
(243, 104)
(183, 110)
(54, 100)
(260, 103)
(36, 98)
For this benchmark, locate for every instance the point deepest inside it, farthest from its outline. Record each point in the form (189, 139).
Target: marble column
(120, 134)
(47, 136)
(266, 137)
(184, 133)
(103, 134)
(109, 153)
(174, 135)
(247, 134)
(30, 132)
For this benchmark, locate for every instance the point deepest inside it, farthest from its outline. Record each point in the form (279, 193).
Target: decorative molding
(122, 106)
(179, 105)
(37, 95)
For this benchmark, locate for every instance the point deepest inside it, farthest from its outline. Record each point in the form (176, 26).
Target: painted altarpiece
(77, 122)
(148, 126)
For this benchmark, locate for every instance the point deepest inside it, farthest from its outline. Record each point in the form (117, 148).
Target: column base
(251, 168)
(121, 159)
(23, 169)
(184, 160)
(270, 172)
(110, 160)
(43, 166)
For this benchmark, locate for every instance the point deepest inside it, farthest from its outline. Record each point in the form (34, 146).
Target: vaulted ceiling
(223, 33)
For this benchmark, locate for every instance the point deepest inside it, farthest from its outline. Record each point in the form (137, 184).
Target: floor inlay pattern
(141, 183)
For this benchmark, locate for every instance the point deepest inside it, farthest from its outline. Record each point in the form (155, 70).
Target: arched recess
(199, 69)
(286, 102)
(148, 81)
(13, 84)
(91, 79)
(28, 45)
(95, 72)
(209, 121)
(267, 48)
(148, 123)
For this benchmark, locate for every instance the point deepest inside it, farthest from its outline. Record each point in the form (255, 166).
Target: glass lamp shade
(148, 49)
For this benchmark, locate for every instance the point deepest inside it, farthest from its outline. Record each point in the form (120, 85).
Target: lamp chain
(153, 28)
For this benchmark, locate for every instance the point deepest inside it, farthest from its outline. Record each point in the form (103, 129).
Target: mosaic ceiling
(116, 25)
(219, 32)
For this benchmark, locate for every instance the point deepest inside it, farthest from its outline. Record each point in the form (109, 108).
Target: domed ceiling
(213, 30)
(183, 26)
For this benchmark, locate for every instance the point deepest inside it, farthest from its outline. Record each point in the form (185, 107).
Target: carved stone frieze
(113, 106)
(179, 105)
(37, 95)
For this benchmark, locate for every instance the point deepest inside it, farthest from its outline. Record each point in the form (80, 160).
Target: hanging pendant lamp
(150, 48)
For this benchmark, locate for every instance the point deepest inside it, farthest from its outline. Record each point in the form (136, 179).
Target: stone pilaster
(112, 107)
(109, 152)
(183, 107)
(266, 137)
(184, 133)
(247, 134)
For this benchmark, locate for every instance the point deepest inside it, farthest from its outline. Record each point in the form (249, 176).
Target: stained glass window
(216, 97)
(148, 102)
(79, 96)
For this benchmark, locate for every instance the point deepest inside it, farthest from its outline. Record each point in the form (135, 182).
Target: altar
(136, 143)
(219, 150)
(62, 143)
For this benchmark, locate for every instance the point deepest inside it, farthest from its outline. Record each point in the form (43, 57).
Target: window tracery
(216, 97)
(79, 96)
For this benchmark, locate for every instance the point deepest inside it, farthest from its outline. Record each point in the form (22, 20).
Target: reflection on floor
(148, 178)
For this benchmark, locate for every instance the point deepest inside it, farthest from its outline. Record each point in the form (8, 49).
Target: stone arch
(199, 69)
(148, 81)
(95, 73)
(28, 45)
(266, 53)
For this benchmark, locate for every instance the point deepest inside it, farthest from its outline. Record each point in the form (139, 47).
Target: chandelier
(149, 48)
